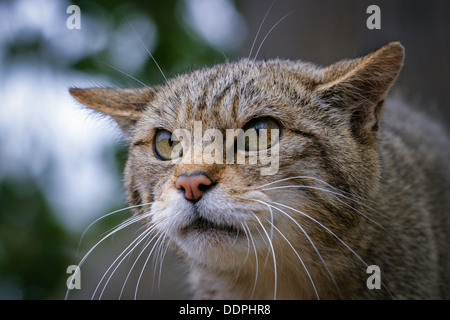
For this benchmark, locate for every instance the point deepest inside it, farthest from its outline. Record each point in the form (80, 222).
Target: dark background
(36, 241)
(325, 31)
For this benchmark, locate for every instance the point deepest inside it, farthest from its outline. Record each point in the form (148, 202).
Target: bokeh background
(61, 166)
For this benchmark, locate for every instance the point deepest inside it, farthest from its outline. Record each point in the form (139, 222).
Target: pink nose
(194, 186)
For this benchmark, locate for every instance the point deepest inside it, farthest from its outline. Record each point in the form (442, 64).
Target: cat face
(302, 192)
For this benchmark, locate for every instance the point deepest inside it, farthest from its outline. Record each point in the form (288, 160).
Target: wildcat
(352, 190)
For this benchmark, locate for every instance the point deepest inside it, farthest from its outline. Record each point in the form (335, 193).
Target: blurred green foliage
(177, 49)
(35, 247)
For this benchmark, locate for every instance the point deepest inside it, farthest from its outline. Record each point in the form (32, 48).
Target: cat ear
(361, 85)
(124, 105)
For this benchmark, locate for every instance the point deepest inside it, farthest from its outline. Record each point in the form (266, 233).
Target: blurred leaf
(34, 246)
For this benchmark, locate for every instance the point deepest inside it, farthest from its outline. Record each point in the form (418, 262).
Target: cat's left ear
(124, 105)
(361, 85)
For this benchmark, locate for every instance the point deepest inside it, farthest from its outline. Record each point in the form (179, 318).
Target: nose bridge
(204, 143)
(212, 171)
(198, 171)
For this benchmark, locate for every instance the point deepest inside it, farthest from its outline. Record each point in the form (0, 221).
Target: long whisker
(148, 51)
(315, 179)
(271, 219)
(235, 239)
(335, 194)
(145, 264)
(259, 29)
(274, 259)
(332, 233)
(269, 251)
(329, 191)
(324, 227)
(256, 260)
(248, 242)
(158, 258)
(133, 244)
(107, 215)
(137, 259)
(364, 215)
(161, 263)
(249, 236)
(137, 216)
(271, 29)
(123, 225)
(307, 236)
(301, 261)
(128, 75)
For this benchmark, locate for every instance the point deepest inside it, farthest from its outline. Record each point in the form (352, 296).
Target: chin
(215, 248)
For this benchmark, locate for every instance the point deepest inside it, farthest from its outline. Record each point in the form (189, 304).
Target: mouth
(203, 225)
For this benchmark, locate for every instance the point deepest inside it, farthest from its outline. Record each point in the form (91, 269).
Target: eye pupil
(258, 128)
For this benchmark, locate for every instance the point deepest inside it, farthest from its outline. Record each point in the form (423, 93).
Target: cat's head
(320, 152)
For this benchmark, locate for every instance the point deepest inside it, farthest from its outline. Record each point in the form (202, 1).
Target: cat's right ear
(360, 86)
(124, 105)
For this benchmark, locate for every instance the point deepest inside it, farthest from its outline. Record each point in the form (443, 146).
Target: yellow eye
(165, 148)
(259, 134)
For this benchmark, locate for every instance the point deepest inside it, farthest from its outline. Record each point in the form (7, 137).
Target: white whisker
(161, 263)
(315, 179)
(364, 215)
(158, 258)
(329, 191)
(259, 29)
(148, 51)
(256, 261)
(248, 243)
(133, 244)
(301, 261)
(145, 264)
(128, 75)
(146, 244)
(274, 259)
(308, 237)
(332, 233)
(107, 215)
(123, 225)
(271, 219)
(237, 237)
(271, 29)
(133, 217)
